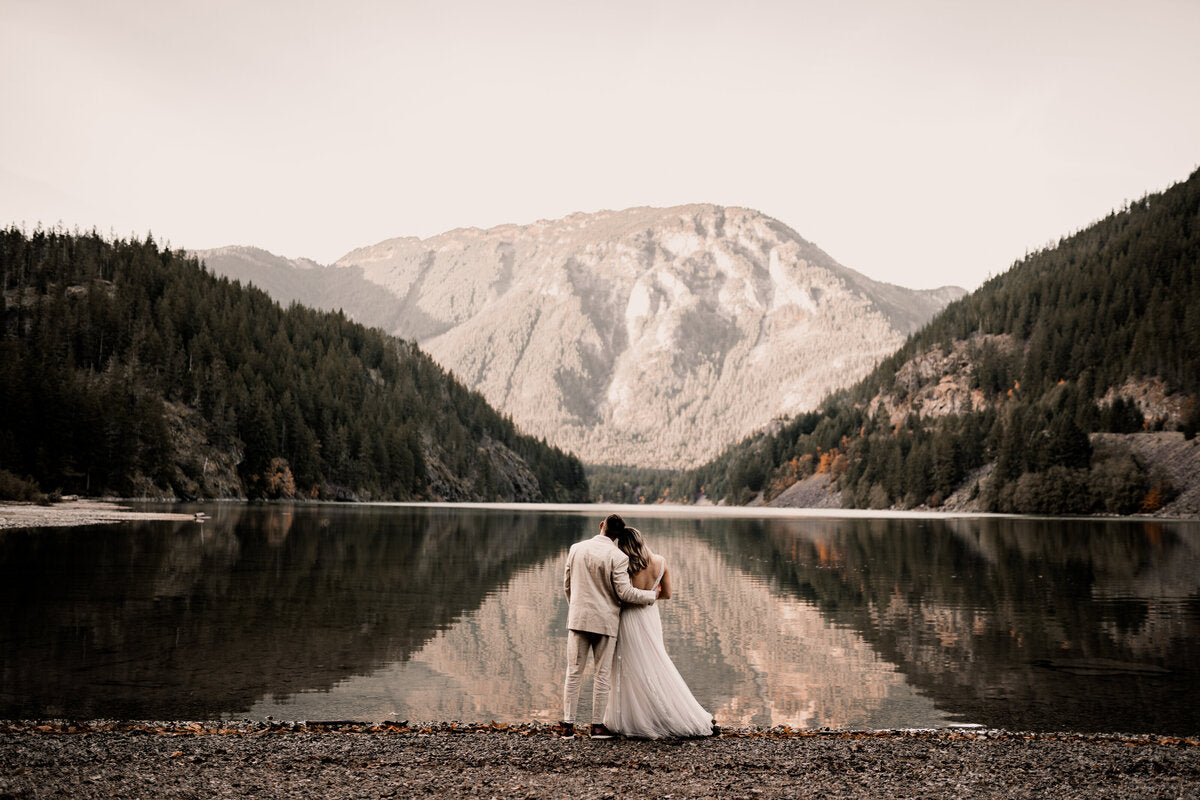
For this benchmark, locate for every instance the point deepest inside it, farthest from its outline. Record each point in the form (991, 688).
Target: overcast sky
(922, 143)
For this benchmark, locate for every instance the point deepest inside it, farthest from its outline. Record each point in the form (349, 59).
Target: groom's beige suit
(596, 581)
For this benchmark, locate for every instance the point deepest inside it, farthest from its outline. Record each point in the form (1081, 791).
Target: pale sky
(921, 143)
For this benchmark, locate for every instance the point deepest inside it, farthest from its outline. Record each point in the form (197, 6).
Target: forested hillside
(129, 369)
(1011, 384)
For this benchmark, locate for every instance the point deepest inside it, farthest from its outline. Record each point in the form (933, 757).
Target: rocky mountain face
(939, 382)
(648, 336)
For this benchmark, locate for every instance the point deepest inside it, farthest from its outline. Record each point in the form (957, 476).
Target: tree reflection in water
(162, 620)
(999, 619)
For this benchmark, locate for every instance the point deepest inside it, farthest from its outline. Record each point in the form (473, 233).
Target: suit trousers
(601, 647)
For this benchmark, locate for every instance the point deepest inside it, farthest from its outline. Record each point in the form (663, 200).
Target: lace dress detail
(649, 697)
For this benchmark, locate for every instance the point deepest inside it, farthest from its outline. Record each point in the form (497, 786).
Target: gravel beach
(353, 760)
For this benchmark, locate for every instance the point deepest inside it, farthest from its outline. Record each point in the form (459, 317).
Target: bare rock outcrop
(815, 491)
(1158, 404)
(939, 382)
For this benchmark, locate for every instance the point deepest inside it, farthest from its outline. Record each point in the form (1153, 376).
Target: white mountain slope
(653, 337)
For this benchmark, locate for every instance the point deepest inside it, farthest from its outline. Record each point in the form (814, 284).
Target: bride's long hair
(633, 545)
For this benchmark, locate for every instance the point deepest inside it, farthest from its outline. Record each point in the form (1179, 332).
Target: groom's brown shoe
(600, 732)
(566, 730)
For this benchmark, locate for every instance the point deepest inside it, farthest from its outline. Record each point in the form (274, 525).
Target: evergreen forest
(1046, 343)
(128, 369)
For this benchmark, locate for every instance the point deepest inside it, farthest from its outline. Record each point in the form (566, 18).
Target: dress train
(649, 698)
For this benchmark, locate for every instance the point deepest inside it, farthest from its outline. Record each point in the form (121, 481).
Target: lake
(421, 613)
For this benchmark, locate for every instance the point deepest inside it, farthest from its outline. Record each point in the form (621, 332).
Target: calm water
(373, 613)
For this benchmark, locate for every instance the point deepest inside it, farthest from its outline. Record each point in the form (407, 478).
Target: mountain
(130, 370)
(1068, 384)
(300, 280)
(647, 336)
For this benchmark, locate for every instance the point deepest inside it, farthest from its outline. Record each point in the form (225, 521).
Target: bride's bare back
(645, 578)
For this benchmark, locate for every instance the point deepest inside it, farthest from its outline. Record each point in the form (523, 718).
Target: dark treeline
(129, 369)
(632, 485)
(1047, 340)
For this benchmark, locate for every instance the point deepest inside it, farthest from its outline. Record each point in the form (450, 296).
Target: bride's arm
(666, 582)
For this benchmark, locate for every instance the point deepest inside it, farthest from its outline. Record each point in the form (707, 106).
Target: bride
(649, 697)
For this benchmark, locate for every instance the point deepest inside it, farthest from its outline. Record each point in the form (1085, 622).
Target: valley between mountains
(694, 354)
(649, 337)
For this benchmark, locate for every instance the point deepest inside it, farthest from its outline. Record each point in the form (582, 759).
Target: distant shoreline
(92, 511)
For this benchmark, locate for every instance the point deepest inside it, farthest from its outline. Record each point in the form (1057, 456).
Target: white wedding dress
(649, 698)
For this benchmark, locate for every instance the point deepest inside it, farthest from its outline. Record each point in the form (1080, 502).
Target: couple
(648, 698)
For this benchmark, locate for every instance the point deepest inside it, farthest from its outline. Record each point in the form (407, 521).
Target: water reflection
(374, 613)
(998, 620)
(749, 655)
(155, 620)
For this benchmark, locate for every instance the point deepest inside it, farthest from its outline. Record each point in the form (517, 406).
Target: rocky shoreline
(396, 759)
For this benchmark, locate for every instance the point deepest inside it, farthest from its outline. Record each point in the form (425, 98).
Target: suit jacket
(596, 582)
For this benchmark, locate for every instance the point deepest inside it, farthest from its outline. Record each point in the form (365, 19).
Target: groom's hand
(658, 591)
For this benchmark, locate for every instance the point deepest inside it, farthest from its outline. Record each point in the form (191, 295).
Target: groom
(596, 582)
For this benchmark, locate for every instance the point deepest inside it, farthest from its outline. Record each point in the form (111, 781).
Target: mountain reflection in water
(750, 657)
(320, 612)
